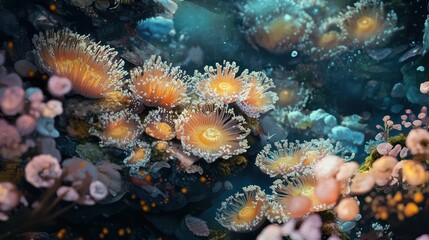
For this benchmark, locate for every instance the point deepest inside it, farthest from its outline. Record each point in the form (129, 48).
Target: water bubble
(294, 54)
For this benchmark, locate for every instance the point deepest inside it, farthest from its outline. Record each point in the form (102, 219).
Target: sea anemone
(292, 158)
(139, 155)
(92, 69)
(243, 212)
(302, 186)
(212, 131)
(276, 26)
(329, 39)
(275, 213)
(221, 83)
(118, 129)
(258, 100)
(158, 84)
(282, 159)
(159, 124)
(368, 23)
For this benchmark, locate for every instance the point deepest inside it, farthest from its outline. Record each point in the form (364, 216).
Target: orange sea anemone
(243, 212)
(286, 190)
(212, 131)
(368, 23)
(275, 213)
(159, 124)
(293, 158)
(284, 158)
(258, 100)
(277, 26)
(92, 69)
(329, 39)
(158, 84)
(119, 129)
(221, 83)
(139, 155)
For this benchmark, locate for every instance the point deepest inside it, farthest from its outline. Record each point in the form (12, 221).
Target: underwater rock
(156, 28)
(398, 91)
(353, 122)
(191, 228)
(47, 145)
(397, 108)
(379, 54)
(348, 138)
(25, 68)
(41, 19)
(416, 51)
(322, 121)
(371, 88)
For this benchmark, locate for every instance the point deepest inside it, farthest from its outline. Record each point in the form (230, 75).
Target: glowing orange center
(286, 97)
(247, 213)
(328, 39)
(165, 128)
(138, 155)
(365, 27)
(210, 136)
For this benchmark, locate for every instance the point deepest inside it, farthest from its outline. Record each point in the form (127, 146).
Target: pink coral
(98, 190)
(12, 100)
(25, 124)
(9, 196)
(42, 171)
(59, 86)
(417, 141)
(67, 193)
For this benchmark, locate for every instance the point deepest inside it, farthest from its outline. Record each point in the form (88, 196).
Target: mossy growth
(374, 155)
(232, 165)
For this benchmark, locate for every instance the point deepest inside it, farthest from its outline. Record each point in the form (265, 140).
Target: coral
(91, 68)
(59, 86)
(42, 171)
(212, 131)
(243, 212)
(158, 84)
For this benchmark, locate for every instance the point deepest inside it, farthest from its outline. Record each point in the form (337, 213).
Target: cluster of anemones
(284, 26)
(160, 109)
(209, 129)
(311, 180)
(293, 158)
(248, 91)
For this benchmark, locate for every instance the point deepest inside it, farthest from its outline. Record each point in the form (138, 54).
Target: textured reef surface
(187, 119)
